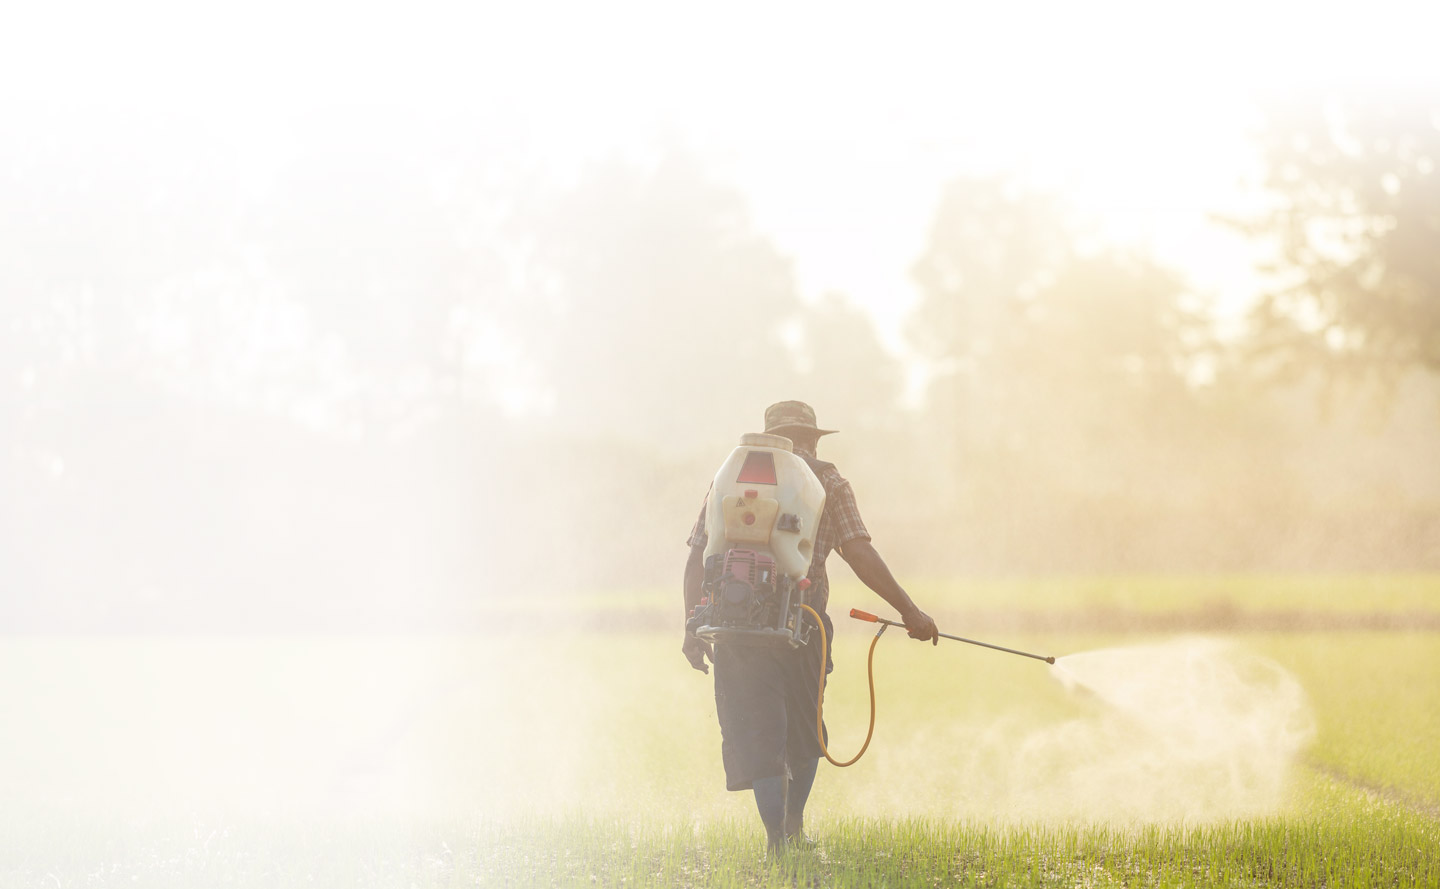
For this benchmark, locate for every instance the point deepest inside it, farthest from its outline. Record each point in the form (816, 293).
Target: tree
(991, 247)
(664, 307)
(1059, 373)
(1357, 226)
(845, 371)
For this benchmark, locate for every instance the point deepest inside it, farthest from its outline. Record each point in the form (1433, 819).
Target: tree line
(375, 393)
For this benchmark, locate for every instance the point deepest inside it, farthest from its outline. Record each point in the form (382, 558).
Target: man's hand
(921, 626)
(874, 573)
(696, 650)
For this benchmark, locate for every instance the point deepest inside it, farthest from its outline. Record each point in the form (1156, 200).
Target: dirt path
(1389, 795)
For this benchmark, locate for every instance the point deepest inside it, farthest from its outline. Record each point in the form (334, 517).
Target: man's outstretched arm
(865, 561)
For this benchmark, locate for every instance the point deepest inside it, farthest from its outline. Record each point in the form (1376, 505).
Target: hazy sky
(226, 182)
(840, 123)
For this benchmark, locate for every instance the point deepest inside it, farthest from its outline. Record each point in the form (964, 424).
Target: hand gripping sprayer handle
(867, 616)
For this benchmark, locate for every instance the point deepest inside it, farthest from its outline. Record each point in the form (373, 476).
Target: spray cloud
(1189, 730)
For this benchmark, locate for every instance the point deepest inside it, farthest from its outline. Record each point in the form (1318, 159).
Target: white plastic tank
(766, 498)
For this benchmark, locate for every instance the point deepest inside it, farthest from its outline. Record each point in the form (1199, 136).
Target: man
(765, 698)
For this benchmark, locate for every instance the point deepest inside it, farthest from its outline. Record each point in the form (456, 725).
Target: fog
(1187, 729)
(350, 325)
(354, 384)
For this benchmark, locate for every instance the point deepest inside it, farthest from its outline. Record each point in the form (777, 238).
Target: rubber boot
(770, 800)
(801, 781)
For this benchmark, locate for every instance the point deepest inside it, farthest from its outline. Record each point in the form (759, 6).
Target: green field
(573, 757)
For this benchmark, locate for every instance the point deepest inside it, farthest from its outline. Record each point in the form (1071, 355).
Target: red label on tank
(759, 469)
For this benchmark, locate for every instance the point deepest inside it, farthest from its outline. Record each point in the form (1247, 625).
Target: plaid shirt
(840, 523)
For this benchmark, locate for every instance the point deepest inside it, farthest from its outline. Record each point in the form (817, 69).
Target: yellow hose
(820, 701)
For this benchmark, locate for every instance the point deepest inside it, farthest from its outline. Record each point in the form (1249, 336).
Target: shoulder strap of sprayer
(817, 466)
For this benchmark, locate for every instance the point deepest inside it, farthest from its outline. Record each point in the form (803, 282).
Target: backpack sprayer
(761, 518)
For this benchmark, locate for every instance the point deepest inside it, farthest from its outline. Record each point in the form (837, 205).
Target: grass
(1376, 698)
(1241, 594)
(1342, 838)
(1373, 845)
(563, 758)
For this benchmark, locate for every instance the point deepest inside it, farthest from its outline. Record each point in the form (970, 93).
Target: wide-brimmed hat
(791, 415)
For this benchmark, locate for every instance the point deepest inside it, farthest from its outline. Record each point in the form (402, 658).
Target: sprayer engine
(741, 584)
(746, 601)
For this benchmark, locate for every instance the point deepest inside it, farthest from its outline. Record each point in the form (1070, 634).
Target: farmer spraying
(754, 584)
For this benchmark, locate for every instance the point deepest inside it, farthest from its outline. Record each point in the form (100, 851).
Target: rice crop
(591, 758)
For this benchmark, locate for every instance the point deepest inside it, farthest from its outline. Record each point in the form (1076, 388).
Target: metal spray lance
(865, 615)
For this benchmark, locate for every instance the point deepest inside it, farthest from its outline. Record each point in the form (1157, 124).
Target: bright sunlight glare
(842, 125)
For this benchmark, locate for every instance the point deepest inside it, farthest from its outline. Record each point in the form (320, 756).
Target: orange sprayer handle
(864, 615)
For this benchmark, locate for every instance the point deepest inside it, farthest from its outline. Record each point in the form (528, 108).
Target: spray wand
(865, 615)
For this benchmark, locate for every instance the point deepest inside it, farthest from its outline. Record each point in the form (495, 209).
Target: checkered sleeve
(841, 510)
